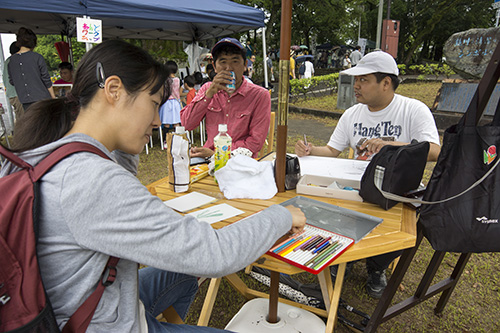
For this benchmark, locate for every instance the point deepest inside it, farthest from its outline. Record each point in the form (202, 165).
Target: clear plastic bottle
(222, 144)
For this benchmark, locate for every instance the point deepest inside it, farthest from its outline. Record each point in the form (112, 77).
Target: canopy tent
(192, 20)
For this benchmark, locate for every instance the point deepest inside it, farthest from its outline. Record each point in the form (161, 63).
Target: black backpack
(24, 305)
(302, 69)
(401, 167)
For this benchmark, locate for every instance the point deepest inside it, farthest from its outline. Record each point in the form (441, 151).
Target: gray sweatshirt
(93, 208)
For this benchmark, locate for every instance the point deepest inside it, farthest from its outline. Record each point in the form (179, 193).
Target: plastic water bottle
(222, 144)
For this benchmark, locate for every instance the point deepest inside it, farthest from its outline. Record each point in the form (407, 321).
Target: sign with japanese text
(88, 30)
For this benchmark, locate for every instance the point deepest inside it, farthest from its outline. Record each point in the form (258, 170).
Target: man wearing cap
(246, 110)
(381, 118)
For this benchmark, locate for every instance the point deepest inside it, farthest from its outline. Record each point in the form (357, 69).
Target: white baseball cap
(374, 62)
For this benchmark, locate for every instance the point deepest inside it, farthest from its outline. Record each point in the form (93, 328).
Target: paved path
(310, 127)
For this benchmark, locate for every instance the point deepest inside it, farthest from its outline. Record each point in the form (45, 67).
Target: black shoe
(348, 269)
(376, 283)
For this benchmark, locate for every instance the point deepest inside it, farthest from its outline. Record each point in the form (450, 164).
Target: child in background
(189, 83)
(170, 111)
(198, 78)
(66, 72)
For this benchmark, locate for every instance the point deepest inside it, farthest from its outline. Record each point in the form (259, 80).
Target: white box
(318, 186)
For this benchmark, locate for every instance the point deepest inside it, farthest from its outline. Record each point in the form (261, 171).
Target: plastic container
(222, 144)
(178, 160)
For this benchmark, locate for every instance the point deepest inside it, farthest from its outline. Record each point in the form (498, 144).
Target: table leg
(208, 304)
(273, 298)
(333, 296)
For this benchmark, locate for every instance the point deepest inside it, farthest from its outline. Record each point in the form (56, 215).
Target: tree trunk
(430, 25)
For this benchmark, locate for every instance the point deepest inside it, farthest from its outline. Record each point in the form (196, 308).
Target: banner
(88, 30)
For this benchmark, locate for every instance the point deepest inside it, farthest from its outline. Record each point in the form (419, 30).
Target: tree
(425, 25)
(45, 46)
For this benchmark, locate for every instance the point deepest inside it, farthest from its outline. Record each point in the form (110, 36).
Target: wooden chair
(268, 144)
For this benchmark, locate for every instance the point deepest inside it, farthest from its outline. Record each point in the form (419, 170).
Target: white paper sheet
(189, 201)
(216, 213)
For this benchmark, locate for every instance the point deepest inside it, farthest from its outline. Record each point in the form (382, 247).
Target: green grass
(472, 307)
(423, 91)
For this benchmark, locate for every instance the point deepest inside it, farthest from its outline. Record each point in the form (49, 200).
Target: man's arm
(51, 92)
(301, 149)
(373, 146)
(434, 151)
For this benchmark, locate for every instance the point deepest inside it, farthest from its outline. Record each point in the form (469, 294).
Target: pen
(305, 142)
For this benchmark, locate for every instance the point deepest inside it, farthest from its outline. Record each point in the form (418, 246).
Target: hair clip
(99, 72)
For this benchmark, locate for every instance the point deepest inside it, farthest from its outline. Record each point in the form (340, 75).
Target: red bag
(24, 305)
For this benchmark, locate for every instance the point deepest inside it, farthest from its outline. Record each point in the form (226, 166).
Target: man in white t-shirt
(356, 56)
(381, 118)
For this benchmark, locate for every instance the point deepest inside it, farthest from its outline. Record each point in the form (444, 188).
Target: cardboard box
(318, 186)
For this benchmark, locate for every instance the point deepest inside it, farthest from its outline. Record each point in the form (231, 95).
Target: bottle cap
(222, 127)
(180, 130)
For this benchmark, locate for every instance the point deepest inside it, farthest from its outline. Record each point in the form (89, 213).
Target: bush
(303, 86)
(429, 69)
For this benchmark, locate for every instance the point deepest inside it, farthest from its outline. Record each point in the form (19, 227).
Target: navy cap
(227, 41)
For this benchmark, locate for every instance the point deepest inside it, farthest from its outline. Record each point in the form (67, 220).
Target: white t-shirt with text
(404, 119)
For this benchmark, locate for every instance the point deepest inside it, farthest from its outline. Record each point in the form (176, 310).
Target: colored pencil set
(312, 250)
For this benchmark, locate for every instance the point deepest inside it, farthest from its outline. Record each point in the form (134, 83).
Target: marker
(305, 142)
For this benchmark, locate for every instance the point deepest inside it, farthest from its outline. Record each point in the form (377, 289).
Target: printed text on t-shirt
(384, 128)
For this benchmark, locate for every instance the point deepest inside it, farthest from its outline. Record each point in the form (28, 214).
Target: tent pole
(264, 53)
(284, 85)
(71, 61)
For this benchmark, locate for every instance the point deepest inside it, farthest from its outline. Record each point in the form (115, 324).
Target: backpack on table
(24, 305)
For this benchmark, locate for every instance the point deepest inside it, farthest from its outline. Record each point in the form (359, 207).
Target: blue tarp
(140, 19)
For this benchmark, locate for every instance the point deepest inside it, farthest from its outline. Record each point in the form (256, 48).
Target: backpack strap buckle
(109, 274)
(4, 299)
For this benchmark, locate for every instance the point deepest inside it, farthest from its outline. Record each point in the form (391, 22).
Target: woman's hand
(298, 219)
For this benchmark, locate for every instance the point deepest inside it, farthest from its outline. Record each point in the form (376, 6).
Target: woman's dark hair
(26, 37)
(49, 120)
(171, 67)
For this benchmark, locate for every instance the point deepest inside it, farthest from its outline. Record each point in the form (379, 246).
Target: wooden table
(396, 232)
